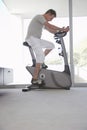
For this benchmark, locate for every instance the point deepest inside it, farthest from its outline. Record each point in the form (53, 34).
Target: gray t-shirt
(35, 27)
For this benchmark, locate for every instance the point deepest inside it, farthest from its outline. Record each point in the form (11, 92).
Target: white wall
(11, 48)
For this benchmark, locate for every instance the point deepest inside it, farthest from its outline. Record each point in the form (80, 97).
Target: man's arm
(53, 29)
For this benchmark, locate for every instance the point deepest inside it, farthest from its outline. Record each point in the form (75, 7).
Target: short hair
(51, 11)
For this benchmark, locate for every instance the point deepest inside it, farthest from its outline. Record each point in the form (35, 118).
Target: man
(38, 23)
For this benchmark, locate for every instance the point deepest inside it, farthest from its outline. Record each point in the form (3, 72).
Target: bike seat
(26, 44)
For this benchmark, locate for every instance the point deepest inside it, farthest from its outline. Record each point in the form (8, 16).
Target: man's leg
(49, 47)
(46, 52)
(35, 79)
(37, 68)
(36, 71)
(37, 46)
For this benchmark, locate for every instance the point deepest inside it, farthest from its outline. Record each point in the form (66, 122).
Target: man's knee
(51, 46)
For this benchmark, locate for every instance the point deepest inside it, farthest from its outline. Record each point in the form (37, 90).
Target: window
(80, 41)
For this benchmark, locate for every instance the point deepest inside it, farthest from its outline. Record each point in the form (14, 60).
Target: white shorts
(38, 45)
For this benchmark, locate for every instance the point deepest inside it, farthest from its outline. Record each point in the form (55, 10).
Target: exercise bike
(51, 78)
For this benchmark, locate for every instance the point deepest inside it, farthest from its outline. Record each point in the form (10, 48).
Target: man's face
(50, 17)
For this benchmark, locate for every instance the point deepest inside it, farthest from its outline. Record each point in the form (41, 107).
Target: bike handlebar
(60, 34)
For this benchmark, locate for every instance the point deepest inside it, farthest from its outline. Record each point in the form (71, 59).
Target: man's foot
(37, 81)
(44, 66)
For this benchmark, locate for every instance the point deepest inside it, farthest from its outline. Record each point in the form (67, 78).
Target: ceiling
(29, 8)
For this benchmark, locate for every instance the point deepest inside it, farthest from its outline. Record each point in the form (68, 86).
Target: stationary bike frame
(53, 79)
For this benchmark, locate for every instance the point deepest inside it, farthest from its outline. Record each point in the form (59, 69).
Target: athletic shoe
(36, 81)
(44, 66)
